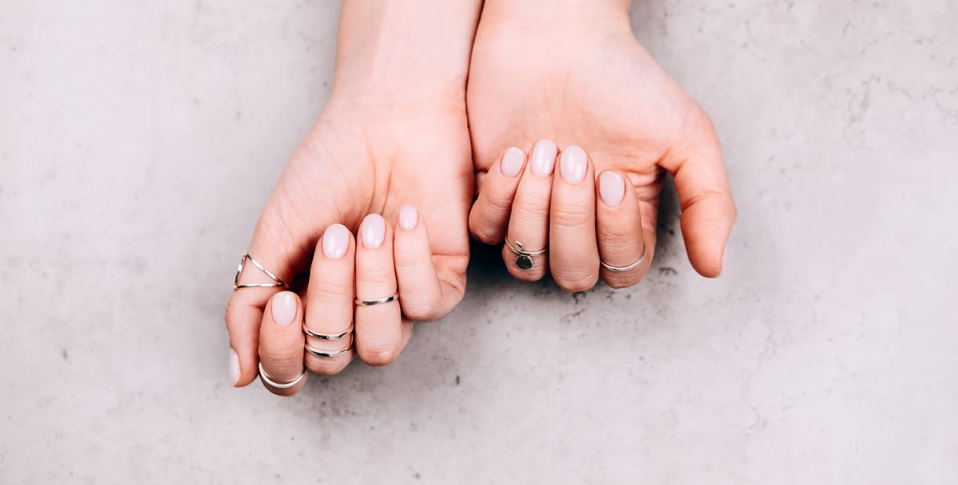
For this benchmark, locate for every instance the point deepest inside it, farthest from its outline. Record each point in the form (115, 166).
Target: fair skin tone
(374, 202)
(571, 123)
(570, 145)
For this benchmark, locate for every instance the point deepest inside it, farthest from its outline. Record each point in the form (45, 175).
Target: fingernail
(572, 164)
(408, 217)
(373, 230)
(611, 188)
(544, 158)
(284, 308)
(234, 367)
(335, 241)
(511, 162)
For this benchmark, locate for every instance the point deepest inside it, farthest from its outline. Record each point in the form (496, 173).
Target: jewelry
(324, 336)
(327, 353)
(361, 302)
(279, 385)
(277, 283)
(628, 267)
(523, 257)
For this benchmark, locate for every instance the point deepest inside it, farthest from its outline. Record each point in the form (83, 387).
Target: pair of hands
(396, 164)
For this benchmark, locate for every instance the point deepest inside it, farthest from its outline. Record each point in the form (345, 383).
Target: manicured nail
(511, 163)
(234, 367)
(611, 188)
(373, 231)
(284, 308)
(408, 217)
(572, 164)
(544, 158)
(335, 241)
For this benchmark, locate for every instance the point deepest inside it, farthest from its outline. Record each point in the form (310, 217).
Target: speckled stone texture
(138, 141)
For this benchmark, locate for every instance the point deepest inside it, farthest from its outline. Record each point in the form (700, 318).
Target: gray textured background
(138, 141)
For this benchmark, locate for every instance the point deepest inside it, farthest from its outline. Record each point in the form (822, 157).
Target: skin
(583, 80)
(391, 146)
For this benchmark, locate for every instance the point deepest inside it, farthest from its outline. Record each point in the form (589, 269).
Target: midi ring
(523, 257)
(325, 336)
(277, 283)
(279, 385)
(326, 353)
(361, 302)
(628, 267)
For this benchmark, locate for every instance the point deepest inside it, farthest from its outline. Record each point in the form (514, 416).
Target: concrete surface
(138, 141)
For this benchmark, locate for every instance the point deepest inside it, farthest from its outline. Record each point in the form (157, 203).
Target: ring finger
(380, 331)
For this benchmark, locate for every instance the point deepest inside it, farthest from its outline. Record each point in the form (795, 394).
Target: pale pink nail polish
(511, 163)
(611, 188)
(572, 164)
(373, 231)
(544, 158)
(408, 217)
(335, 241)
(284, 308)
(234, 367)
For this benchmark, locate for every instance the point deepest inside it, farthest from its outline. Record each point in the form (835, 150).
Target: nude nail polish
(408, 217)
(511, 163)
(544, 158)
(284, 308)
(572, 164)
(234, 368)
(335, 241)
(373, 231)
(611, 188)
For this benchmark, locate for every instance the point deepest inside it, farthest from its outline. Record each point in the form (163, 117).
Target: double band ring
(276, 283)
(628, 267)
(279, 385)
(381, 301)
(327, 353)
(524, 257)
(326, 336)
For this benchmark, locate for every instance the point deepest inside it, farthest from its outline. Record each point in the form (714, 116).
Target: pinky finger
(624, 246)
(423, 294)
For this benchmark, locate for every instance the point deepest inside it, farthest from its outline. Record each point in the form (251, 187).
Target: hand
(389, 157)
(584, 80)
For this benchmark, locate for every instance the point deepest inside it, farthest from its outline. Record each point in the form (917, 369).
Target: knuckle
(570, 216)
(327, 366)
(379, 353)
(577, 282)
(421, 310)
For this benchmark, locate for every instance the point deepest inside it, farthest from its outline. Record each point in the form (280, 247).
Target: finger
(621, 236)
(379, 328)
(490, 213)
(708, 211)
(281, 343)
(529, 219)
(424, 295)
(329, 302)
(282, 252)
(573, 251)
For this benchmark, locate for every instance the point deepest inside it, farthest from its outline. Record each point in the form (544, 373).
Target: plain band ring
(326, 353)
(628, 267)
(381, 301)
(279, 385)
(327, 336)
(277, 283)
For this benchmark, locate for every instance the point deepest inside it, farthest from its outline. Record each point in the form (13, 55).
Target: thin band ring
(277, 283)
(279, 385)
(325, 336)
(523, 257)
(381, 301)
(628, 267)
(326, 353)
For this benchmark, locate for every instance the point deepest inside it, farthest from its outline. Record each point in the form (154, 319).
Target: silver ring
(325, 336)
(361, 302)
(279, 385)
(327, 353)
(277, 283)
(629, 267)
(523, 257)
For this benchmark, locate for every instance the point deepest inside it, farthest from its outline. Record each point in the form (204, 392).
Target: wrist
(404, 51)
(566, 19)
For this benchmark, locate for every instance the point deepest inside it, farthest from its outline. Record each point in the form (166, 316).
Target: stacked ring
(278, 385)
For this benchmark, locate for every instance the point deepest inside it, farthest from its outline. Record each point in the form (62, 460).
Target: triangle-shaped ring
(277, 283)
